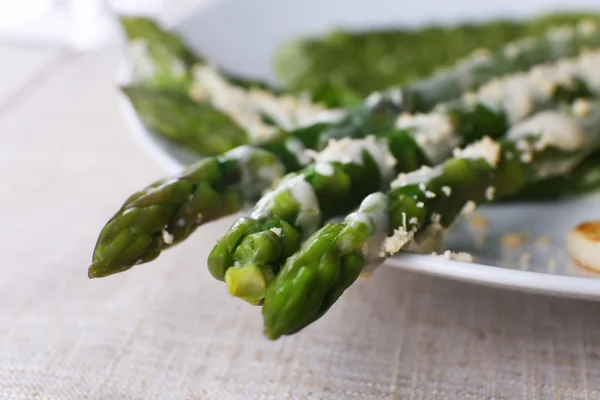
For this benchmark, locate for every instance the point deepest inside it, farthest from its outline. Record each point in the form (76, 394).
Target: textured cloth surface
(167, 330)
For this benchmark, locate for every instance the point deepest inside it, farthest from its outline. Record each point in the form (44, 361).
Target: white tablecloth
(167, 330)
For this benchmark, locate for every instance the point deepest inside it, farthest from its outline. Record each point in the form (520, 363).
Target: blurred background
(80, 25)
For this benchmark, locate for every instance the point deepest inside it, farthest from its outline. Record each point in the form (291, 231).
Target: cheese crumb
(422, 174)
(581, 107)
(324, 169)
(422, 187)
(479, 221)
(429, 194)
(543, 240)
(394, 243)
(365, 275)
(513, 240)
(167, 237)
(527, 157)
(469, 208)
(485, 148)
(447, 190)
(276, 231)
(490, 192)
(450, 255)
(413, 221)
(420, 204)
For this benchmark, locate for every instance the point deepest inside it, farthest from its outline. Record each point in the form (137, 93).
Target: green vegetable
(312, 279)
(342, 67)
(583, 179)
(162, 59)
(176, 116)
(169, 210)
(425, 139)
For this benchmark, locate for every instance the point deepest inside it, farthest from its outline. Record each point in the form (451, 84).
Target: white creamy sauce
(348, 151)
(554, 129)
(485, 148)
(433, 132)
(245, 107)
(309, 215)
(230, 99)
(324, 168)
(421, 175)
(520, 94)
(374, 211)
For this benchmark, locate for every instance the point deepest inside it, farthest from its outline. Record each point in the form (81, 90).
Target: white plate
(242, 37)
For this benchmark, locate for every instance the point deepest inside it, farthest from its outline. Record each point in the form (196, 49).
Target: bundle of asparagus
(209, 98)
(263, 257)
(420, 203)
(248, 256)
(169, 210)
(115, 250)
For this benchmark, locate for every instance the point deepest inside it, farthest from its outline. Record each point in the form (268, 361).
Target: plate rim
(550, 284)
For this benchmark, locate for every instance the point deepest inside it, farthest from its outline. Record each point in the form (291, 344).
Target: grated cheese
(425, 173)
(167, 237)
(485, 148)
(276, 231)
(450, 255)
(469, 208)
(325, 169)
(347, 150)
(396, 242)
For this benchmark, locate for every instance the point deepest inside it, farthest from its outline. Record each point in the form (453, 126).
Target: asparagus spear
(169, 210)
(484, 65)
(421, 203)
(583, 179)
(162, 59)
(330, 68)
(174, 115)
(345, 174)
(158, 58)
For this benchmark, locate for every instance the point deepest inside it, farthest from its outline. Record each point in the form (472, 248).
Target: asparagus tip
(249, 283)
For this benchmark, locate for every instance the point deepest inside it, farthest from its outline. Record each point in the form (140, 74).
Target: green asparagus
(169, 210)
(346, 173)
(174, 115)
(342, 66)
(160, 58)
(583, 179)
(421, 203)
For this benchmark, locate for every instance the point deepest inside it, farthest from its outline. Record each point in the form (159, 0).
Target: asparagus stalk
(583, 179)
(330, 68)
(174, 115)
(169, 210)
(344, 174)
(484, 65)
(158, 58)
(162, 59)
(421, 203)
